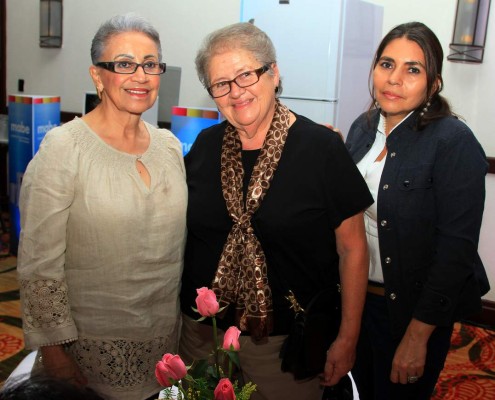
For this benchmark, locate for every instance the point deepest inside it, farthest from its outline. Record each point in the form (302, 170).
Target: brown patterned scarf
(241, 276)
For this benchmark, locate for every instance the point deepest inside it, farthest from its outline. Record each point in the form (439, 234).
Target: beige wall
(182, 24)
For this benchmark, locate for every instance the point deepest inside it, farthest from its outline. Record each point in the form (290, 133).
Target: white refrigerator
(324, 53)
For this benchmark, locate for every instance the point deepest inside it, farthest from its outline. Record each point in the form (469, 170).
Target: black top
(315, 188)
(429, 212)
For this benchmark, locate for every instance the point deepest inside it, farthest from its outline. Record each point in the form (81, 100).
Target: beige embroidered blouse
(101, 255)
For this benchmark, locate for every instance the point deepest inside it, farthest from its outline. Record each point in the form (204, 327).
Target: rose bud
(207, 302)
(231, 338)
(224, 390)
(170, 367)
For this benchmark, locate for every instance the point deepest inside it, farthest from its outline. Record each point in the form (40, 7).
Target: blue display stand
(186, 123)
(30, 117)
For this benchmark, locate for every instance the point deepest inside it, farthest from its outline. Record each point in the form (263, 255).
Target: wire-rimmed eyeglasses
(129, 67)
(243, 80)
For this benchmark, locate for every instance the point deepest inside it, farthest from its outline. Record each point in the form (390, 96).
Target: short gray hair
(242, 35)
(119, 24)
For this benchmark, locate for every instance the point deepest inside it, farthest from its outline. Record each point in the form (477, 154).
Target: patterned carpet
(469, 373)
(11, 340)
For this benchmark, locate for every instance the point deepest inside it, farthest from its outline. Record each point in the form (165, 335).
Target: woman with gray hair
(103, 226)
(275, 204)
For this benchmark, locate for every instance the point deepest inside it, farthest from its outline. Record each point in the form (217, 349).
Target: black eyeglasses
(243, 80)
(128, 67)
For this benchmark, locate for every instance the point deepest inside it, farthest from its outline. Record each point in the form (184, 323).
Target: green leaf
(222, 308)
(234, 357)
(212, 372)
(198, 368)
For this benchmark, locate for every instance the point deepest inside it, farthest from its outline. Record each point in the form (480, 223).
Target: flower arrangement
(209, 378)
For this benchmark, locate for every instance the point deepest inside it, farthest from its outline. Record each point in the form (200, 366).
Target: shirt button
(392, 296)
(406, 183)
(388, 260)
(384, 223)
(385, 187)
(392, 154)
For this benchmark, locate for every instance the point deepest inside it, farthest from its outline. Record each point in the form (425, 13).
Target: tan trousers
(260, 363)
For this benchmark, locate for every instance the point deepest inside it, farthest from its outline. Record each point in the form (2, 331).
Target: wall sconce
(471, 21)
(50, 23)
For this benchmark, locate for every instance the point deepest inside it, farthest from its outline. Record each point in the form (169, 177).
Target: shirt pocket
(415, 186)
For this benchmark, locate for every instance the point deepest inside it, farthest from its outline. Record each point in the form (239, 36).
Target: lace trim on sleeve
(45, 305)
(121, 364)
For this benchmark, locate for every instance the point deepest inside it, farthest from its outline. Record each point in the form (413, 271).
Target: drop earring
(425, 109)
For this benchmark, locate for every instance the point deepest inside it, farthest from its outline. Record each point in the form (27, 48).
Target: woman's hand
(59, 364)
(353, 267)
(340, 359)
(409, 360)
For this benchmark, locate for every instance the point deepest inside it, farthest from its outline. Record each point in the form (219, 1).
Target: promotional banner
(30, 117)
(186, 123)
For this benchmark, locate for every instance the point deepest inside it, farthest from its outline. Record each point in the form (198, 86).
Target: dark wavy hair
(425, 38)
(44, 387)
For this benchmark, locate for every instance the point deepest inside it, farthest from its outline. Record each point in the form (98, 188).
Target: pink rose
(170, 367)
(232, 338)
(224, 390)
(207, 302)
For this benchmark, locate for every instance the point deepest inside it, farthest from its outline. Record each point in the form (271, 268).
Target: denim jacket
(430, 206)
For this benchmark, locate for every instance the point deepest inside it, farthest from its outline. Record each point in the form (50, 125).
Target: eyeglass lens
(128, 67)
(243, 80)
(131, 67)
